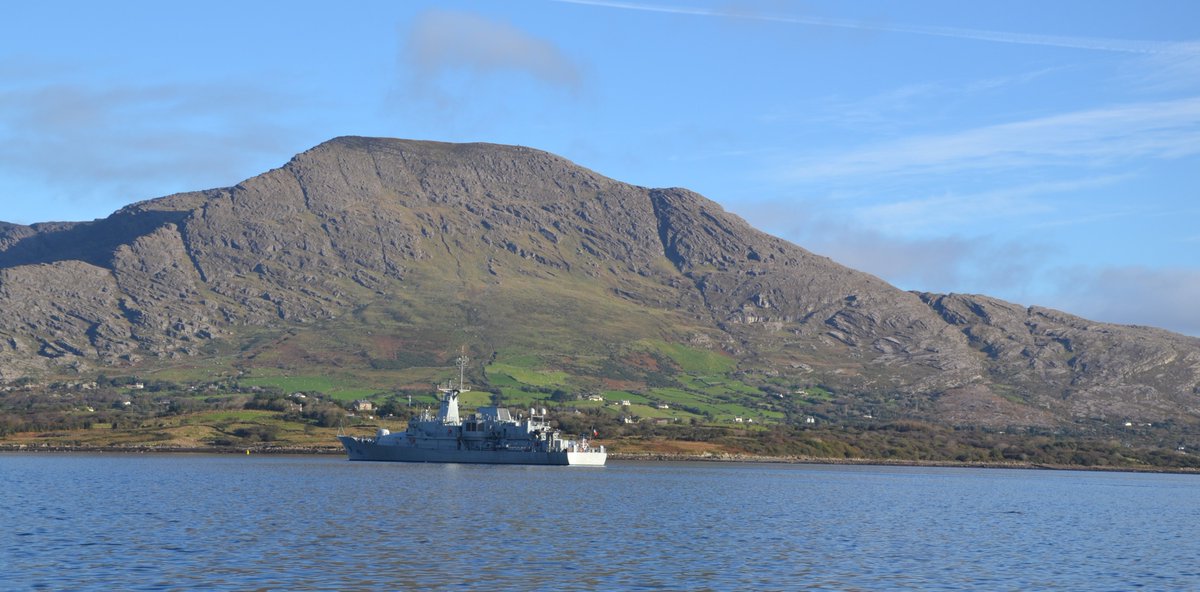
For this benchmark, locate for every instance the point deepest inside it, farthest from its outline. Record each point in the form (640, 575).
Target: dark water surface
(198, 522)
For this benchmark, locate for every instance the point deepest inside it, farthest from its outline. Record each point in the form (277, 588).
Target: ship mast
(462, 368)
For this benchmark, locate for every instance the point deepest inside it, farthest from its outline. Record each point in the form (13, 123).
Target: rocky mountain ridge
(517, 248)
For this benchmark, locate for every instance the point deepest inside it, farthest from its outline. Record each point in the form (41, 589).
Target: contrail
(1092, 43)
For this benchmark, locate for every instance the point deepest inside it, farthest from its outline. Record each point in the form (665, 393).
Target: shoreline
(621, 456)
(138, 449)
(884, 462)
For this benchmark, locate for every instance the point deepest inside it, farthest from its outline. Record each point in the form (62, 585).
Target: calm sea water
(197, 522)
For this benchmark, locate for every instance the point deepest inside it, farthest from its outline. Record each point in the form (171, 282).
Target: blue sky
(1041, 152)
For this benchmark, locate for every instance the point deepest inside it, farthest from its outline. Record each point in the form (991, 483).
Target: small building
(362, 405)
(625, 403)
(595, 398)
(663, 406)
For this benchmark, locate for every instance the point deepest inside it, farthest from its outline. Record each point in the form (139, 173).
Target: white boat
(491, 435)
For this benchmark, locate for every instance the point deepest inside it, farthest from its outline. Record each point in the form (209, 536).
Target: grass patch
(501, 380)
(618, 396)
(719, 410)
(238, 415)
(717, 386)
(647, 411)
(474, 399)
(816, 394)
(690, 359)
(336, 389)
(522, 375)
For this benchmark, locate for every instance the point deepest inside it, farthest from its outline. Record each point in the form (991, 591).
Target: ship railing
(581, 445)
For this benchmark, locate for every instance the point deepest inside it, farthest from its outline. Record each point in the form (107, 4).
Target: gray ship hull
(365, 449)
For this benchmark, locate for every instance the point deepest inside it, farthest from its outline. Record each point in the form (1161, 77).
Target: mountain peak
(360, 242)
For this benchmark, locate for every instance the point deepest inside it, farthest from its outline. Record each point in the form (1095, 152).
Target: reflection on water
(177, 522)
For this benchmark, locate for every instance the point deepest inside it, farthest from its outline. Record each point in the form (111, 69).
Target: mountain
(368, 254)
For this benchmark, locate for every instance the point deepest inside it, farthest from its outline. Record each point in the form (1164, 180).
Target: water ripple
(196, 522)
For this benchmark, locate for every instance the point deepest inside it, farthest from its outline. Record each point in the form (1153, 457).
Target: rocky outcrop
(1075, 367)
(61, 313)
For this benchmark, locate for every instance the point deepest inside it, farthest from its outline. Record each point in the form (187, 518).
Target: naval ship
(491, 435)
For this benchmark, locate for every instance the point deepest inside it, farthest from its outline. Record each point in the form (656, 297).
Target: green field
(343, 390)
(502, 374)
(690, 359)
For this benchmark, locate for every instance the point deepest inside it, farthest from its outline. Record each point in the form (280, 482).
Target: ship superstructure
(489, 435)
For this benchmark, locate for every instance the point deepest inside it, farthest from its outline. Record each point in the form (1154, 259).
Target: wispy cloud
(904, 107)
(1163, 129)
(440, 42)
(983, 208)
(1021, 272)
(1090, 43)
(1133, 295)
(938, 263)
(92, 140)
(1178, 68)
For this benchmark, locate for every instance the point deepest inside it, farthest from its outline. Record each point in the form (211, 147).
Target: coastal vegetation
(694, 407)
